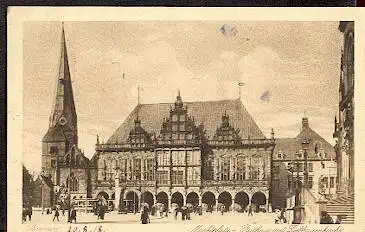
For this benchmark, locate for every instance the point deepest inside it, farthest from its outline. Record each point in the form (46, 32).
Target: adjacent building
(289, 165)
(344, 131)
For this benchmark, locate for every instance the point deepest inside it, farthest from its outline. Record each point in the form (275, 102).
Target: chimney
(305, 123)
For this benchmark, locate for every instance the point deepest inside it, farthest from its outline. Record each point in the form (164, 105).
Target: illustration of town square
(188, 122)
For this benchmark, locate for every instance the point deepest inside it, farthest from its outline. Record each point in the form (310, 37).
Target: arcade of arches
(237, 201)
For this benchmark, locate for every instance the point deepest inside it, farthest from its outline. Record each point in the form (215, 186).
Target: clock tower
(62, 130)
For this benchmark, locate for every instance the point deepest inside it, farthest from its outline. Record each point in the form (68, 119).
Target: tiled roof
(54, 134)
(208, 113)
(290, 146)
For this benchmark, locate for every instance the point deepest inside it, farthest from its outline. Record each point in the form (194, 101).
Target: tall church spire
(63, 115)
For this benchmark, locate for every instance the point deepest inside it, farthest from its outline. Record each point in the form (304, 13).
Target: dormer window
(174, 118)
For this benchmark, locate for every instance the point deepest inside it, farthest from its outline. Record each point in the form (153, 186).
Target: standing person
(250, 210)
(222, 209)
(63, 210)
(144, 216)
(282, 216)
(30, 212)
(56, 214)
(176, 212)
(24, 214)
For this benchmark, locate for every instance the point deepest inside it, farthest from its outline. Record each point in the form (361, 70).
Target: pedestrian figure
(85, 229)
(250, 210)
(144, 216)
(63, 211)
(24, 215)
(47, 211)
(176, 211)
(56, 214)
(72, 215)
(222, 209)
(282, 216)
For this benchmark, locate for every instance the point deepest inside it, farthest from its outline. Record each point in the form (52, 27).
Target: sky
(295, 65)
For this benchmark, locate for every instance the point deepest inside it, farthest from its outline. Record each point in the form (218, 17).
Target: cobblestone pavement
(40, 221)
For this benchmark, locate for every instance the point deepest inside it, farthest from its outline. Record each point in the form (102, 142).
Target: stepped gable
(208, 113)
(290, 146)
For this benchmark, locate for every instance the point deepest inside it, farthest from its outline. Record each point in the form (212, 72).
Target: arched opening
(147, 197)
(193, 199)
(259, 201)
(208, 198)
(132, 201)
(177, 198)
(225, 198)
(103, 194)
(163, 198)
(242, 200)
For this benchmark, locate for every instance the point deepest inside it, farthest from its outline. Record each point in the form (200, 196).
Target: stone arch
(226, 199)
(242, 199)
(126, 191)
(147, 197)
(259, 199)
(104, 194)
(132, 201)
(209, 199)
(163, 198)
(192, 198)
(177, 198)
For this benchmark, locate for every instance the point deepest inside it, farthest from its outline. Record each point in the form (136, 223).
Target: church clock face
(62, 121)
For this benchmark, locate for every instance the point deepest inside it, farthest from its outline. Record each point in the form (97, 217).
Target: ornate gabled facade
(63, 164)
(206, 153)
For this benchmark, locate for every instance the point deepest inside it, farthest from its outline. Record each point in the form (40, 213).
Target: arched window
(72, 183)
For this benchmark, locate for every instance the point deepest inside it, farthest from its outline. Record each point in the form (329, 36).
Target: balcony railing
(138, 183)
(241, 183)
(245, 142)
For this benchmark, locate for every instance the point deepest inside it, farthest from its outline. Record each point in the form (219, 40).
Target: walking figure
(56, 214)
(250, 210)
(144, 216)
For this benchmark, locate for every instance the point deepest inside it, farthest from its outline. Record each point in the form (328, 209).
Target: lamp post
(305, 146)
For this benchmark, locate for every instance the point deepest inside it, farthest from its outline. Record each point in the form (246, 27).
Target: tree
(28, 187)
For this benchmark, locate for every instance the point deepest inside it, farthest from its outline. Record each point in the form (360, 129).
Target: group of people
(327, 219)
(185, 212)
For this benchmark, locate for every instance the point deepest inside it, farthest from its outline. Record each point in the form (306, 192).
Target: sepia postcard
(235, 119)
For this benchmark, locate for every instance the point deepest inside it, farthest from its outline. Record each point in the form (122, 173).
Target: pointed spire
(64, 111)
(272, 133)
(97, 139)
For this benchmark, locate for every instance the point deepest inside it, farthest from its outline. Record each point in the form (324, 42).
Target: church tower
(62, 130)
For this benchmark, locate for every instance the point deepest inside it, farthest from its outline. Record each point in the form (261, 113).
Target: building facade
(344, 125)
(198, 153)
(289, 165)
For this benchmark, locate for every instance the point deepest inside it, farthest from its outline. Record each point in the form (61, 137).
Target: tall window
(162, 177)
(225, 169)
(310, 167)
(350, 62)
(177, 177)
(332, 182)
(325, 182)
(178, 158)
(241, 168)
(72, 183)
(150, 169)
(137, 169)
(310, 181)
